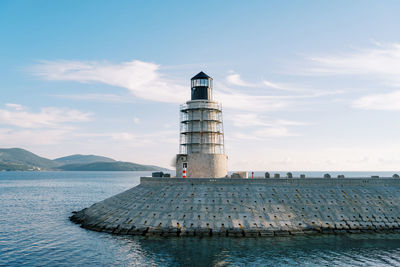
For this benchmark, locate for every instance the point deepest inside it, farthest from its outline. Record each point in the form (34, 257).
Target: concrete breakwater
(248, 207)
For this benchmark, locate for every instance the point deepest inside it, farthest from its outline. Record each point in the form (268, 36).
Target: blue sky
(305, 85)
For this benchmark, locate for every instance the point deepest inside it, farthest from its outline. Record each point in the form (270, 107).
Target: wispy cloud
(15, 106)
(383, 60)
(50, 126)
(273, 85)
(235, 79)
(143, 79)
(274, 131)
(148, 81)
(134, 139)
(48, 117)
(258, 128)
(241, 101)
(53, 126)
(388, 101)
(243, 120)
(254, 119)
(262, 133)
(380, 65)
(28, 137)
(296, 90)
(99, 97)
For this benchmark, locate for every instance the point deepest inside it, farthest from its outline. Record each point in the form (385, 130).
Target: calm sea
(35, 231)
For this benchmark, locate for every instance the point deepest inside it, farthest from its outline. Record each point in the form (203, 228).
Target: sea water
(35, 231)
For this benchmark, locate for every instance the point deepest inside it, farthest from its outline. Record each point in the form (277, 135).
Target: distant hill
(109, 166)
(22, 159)
(17, 159)
(82, 159)
(16, 167)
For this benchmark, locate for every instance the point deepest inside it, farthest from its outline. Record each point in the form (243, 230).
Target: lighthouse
(201, 148)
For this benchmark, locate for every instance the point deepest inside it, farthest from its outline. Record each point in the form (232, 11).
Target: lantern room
(201, 85)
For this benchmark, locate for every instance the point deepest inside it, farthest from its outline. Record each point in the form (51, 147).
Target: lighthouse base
(202, 165)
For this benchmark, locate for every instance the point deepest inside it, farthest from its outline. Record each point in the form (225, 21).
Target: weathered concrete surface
(248, 207)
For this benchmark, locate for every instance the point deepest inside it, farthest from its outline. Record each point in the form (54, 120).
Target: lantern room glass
(200, 82)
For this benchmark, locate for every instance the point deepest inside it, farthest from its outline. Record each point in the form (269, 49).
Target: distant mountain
(23, 159)
(110, 166)
(17, 159)
(82, 159)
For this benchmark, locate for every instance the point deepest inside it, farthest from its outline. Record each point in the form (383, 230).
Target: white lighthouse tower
(201, 151)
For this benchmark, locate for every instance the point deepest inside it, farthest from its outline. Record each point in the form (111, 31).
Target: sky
(304, 85)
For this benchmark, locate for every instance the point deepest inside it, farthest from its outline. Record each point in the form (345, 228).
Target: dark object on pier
(396, 176)
(341, 176)
(327, 175)
(302, 176)
(276, 175)
(267, 175)
(289, 175)
(157, 174)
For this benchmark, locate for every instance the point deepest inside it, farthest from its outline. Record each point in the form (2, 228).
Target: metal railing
(201, 105)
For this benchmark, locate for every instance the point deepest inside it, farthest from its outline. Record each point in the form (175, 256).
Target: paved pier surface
(248, 207)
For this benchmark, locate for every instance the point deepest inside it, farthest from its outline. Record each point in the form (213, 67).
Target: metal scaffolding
(201, 128)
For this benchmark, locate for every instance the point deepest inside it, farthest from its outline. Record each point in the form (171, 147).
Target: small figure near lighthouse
(201, 151)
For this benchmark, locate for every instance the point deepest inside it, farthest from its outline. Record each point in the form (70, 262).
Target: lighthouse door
(184, 169)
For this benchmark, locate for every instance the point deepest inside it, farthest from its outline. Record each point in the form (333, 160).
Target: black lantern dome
(201, 85)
